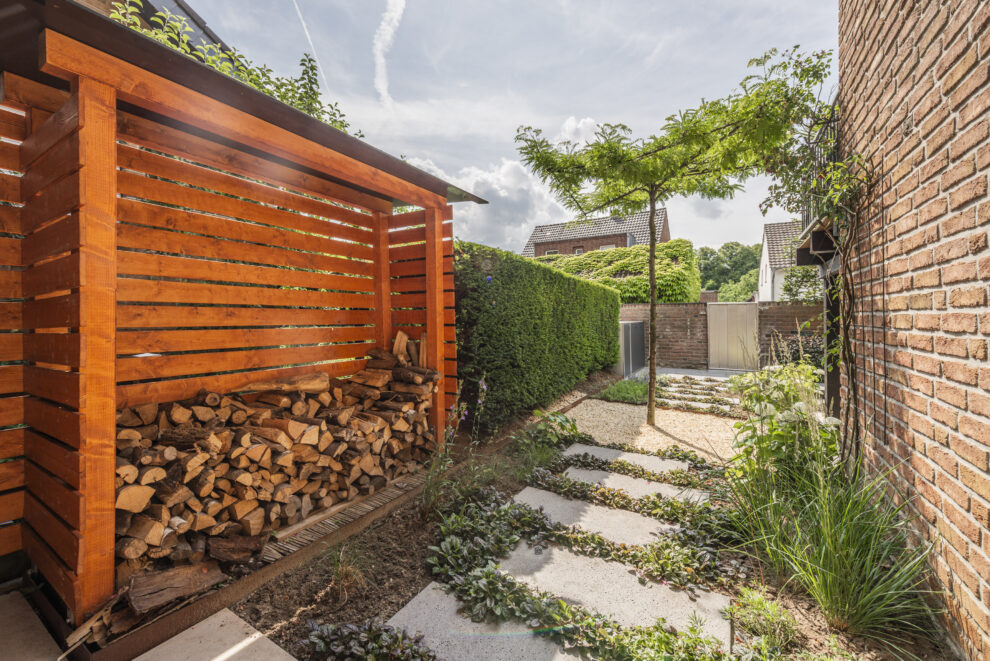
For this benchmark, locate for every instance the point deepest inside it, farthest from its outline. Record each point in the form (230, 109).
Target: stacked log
(211, 476)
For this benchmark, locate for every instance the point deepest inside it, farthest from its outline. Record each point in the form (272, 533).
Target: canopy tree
(727, 264)
(707, 151)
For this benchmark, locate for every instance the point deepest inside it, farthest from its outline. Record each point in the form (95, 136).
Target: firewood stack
(211, 476)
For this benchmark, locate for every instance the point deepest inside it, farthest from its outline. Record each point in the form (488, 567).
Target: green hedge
(628, 270)
(530, 330)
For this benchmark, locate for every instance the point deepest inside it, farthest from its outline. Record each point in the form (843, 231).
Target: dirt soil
(817, 638)
(386, 564)
(390, 557)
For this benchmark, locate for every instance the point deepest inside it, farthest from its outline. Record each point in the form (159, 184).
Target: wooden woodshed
(163, 229)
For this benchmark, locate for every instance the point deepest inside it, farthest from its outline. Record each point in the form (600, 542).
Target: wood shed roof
(23, 21)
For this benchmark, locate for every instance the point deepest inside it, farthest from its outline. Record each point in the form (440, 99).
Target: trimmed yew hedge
(531, 331)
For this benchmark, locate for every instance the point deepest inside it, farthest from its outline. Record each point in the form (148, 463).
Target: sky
(446, 84)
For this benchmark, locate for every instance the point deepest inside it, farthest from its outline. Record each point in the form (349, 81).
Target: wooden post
(434, 313)
(98, 265)
(383, 290)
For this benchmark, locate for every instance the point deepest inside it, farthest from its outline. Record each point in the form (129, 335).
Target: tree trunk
(651, 349)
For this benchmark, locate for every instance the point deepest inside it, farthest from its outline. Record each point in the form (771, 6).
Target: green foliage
(803, 284)
(787, 427)
(766, 619)
(840, 537)
(741, 290)
(530, 330)
(301, 92)
(627, 269)
(373, 641)
(481, 531)
(628, 391)
(727, 264)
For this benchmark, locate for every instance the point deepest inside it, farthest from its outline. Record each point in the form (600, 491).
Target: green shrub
(628, 391)
(531, 331)
(765, 619)
(840, 537)
(627, 270)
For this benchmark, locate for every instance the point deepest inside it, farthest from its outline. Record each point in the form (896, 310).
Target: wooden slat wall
(407, 257)
(13, 127)
(226, 277)
(54, 516)
(211, 267)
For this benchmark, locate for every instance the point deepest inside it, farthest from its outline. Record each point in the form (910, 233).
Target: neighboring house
(776, 258)
(577, 237)
(914, 94)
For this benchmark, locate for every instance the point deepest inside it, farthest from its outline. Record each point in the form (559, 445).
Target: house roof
(23, 21)
(637, 224)
(779, 238)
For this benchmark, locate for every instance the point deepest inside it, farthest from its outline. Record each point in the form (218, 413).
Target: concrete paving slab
(634, 486)
(649, 462)
(612, 590)
(221, 637)
(25, 637)
(452, 636)
(619, 526)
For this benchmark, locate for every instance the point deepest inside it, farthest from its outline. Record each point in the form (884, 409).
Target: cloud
(312, 47)
(384, 36)
(577, 130)
(517, 201)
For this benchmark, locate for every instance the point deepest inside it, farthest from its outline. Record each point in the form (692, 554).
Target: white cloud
(384, 36)
(517, 201)
(577, 130)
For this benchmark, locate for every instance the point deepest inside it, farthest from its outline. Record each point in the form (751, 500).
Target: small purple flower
(489, 278)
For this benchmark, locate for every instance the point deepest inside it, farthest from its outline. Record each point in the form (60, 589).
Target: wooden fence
(147, 255)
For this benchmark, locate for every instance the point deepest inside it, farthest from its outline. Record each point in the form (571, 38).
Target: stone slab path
(649, 462)
(615, 525)
(634, 486)
(25, 637)
(221, 637)
(433, 613)
(609, 588)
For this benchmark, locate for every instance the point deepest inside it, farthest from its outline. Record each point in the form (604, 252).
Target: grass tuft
(766, 619)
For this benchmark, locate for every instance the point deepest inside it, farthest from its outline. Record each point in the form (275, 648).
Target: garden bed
(386, 566)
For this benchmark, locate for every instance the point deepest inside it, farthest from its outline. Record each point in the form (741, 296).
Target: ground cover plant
(628, 391)
(824, 526)
(772, 626)
(372, 640)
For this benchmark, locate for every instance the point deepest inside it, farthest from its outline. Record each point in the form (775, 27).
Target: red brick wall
(914, 95)
(709, 296)
(682, 330)
(784, 320)
(567, 246)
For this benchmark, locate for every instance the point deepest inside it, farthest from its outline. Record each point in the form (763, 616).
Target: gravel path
(709, 435)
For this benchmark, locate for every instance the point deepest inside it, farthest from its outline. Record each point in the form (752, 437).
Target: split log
(234, 549)
(149, 591)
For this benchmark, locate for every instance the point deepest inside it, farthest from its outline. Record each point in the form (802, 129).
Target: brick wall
(784, 320)
(682, 339)
(914, 95)
(683, 329)
(567, 246)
